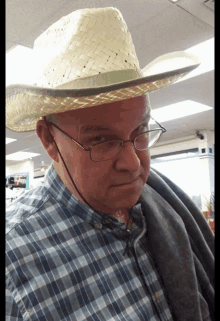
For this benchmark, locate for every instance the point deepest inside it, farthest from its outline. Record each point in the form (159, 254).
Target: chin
(126, 202)
(116, 198)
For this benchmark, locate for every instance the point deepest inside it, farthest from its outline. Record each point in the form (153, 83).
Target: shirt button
(97, 227)
(157, 295)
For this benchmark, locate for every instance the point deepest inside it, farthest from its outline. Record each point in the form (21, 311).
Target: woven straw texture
(37, 106)
(78, 48)
(82, 44)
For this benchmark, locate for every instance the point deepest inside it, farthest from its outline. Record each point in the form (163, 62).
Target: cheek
(66, 147)
(145, 162)
(94, 176)
(72, 157)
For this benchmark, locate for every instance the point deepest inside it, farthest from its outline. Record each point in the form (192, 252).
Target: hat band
(104, 79)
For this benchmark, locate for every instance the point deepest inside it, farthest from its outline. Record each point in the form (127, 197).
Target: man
(108, 186)
(94, 241)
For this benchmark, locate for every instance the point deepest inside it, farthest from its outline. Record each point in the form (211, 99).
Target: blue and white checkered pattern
(63, 264)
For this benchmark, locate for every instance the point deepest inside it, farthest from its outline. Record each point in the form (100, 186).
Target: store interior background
(185, 153)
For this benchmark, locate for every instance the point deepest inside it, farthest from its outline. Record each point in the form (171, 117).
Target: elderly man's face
(107, 185)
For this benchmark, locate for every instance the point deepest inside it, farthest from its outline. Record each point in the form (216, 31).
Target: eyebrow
(91, 129)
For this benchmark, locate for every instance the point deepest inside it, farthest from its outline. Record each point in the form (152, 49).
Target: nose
(127, 158)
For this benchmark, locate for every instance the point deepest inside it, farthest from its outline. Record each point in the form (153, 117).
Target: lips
(126, 183)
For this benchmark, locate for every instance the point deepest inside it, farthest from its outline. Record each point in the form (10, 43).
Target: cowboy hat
(87, 58)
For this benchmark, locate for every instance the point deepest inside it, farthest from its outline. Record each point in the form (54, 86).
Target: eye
(91, 141)
(143, 127)
(100, 139)
(97, 139)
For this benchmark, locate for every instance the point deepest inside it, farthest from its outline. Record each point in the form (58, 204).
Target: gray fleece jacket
(182, 245)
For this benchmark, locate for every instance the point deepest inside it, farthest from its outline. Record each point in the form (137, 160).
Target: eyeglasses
(106, 150)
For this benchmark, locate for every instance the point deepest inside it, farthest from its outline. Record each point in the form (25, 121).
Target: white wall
(175, 145)
(23, 167)
(183, 172)
(194, 175)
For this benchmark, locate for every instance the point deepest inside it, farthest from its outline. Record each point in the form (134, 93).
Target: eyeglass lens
(108, 150)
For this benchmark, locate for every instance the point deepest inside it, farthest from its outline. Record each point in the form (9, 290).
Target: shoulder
(31, 221)
(24, 206)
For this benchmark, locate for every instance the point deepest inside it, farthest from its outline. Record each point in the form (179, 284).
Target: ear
(46, 139)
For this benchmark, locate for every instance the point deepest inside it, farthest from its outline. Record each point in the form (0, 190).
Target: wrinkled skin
(103, 184)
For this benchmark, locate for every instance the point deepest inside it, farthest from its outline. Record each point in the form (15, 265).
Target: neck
(122, 215)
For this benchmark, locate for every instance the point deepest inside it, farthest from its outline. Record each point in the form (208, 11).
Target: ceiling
(157, 27)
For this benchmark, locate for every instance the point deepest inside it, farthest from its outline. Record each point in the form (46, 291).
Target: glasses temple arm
(163, 128)
(68, 136)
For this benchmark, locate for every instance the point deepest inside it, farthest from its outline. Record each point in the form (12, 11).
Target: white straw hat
(87, 58)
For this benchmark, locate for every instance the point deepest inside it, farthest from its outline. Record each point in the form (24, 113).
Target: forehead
(129, 111)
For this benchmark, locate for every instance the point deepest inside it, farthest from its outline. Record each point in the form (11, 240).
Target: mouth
(129, 189)
(127, 183)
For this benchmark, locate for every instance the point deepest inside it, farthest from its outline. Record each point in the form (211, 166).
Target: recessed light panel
(205, 52)
(20, 156)
(178, 110)
(19, 62)
(9, 140)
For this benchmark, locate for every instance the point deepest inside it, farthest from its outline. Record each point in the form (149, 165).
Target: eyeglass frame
(162, 128)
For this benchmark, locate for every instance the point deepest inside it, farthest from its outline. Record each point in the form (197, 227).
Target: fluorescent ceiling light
(205, 52)
(178, 110)
(19, 62)
(20, 156)
(9, 140)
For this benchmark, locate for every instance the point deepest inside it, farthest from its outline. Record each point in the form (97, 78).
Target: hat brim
(26, 104)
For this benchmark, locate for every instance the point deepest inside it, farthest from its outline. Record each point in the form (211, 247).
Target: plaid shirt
(65, 262)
